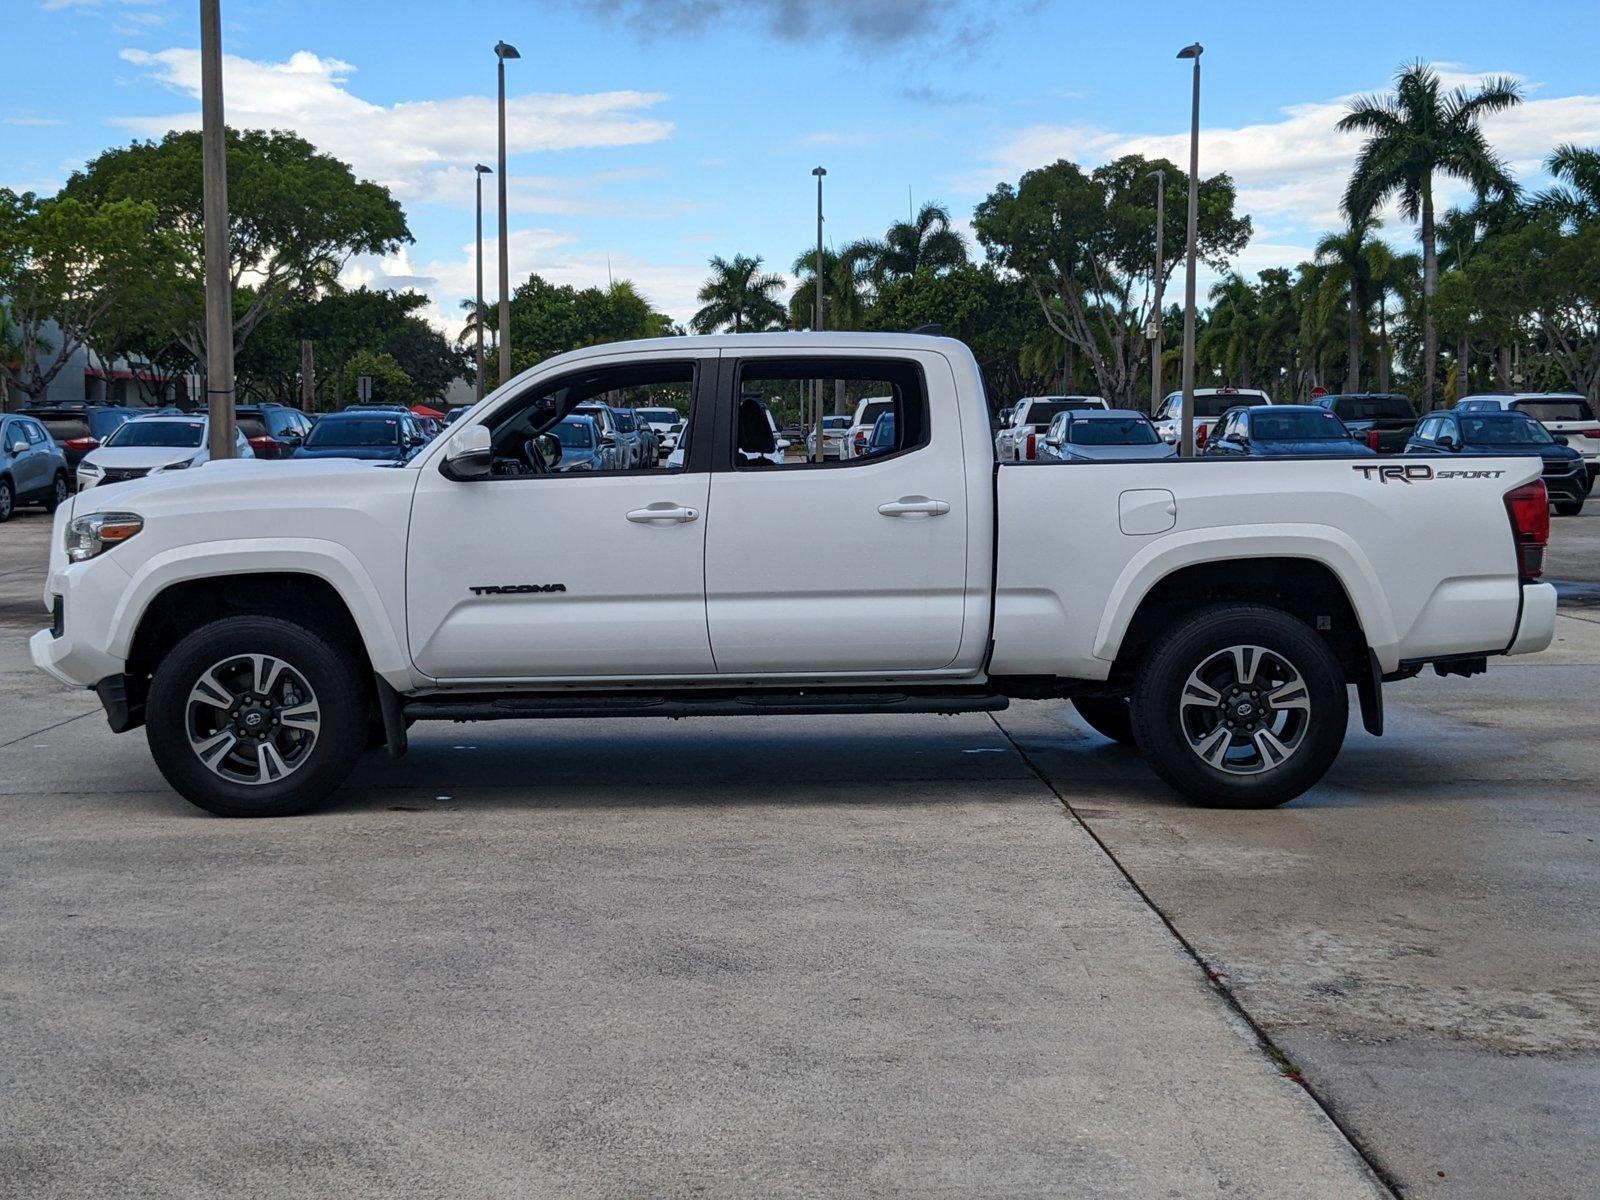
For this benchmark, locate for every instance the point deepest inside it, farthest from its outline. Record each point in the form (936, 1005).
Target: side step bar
(481, 707)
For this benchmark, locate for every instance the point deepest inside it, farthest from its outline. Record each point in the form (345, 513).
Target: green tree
(1388, 274)
(1232, 334)
(1081, 242)
(739, 297)
(549, 319)
(844, 281)
(390, 383)
(1577, 198)
(65, 268)
(1349, 270)
(926, 242)
(1414, 133)
(296, 217)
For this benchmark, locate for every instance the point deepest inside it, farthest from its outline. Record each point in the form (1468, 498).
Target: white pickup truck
(267, 622)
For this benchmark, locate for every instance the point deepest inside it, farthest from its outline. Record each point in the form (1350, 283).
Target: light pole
(1160, 177)
(481, 171)
(503, 51)
(214, 203)
(816, 323)
(1186, 444)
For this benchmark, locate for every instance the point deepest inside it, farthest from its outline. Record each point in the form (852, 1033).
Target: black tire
(342, 707)
(1109, 716)
(1187, 648)
(58, 494)
(8, 500)
(1568, 508)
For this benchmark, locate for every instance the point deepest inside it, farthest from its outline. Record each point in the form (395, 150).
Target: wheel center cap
(253, 720)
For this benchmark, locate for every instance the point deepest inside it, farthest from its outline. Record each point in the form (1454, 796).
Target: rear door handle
(914, 506)
(663, 511)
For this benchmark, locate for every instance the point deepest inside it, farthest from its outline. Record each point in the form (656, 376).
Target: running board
(481, 707)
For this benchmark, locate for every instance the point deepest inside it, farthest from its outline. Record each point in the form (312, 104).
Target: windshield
(1112, 431)
(181, 434)
(1297, 425)
(1556, 410)
(659, 416)
(355, 431)
(1507, 429)
(1372, 408)
(573, 435)
(625, 420)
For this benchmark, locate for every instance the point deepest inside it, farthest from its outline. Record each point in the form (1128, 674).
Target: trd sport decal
(1419, 473)
(515, 589)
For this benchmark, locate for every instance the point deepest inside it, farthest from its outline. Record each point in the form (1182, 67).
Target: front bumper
(1536, 623)
(73, 650)
(1574, 486)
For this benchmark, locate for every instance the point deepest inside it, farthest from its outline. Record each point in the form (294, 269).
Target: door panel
(632, 598)
(851, 568)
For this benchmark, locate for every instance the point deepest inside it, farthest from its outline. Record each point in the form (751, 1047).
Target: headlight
(89, 468)
(177, 466)
(91, 536)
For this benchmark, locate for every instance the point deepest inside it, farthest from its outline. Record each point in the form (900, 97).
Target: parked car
(79, 428)
(665, 423)
(1383, 420)
(580, 446)
(33, 470)
(1215, 614)
(1209, 404)
(273, 430)
(1564, 414)
(1102, 435)
(1502, 433)
(1018, 439)
(377, 406)
(152, 446)
(649, 443)
(455, 414)
(626, 441)
(859, 431)
(1281, 430)
(379, 434)
(882, 439)
(834, 429)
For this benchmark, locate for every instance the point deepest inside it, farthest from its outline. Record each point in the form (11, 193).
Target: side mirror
(1051, 440)
(470, 454)
(19, 447)
(1560, 438)
(1446, 442)
(549, 447)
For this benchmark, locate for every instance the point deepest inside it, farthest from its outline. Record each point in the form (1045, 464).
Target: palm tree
(1388, 274)
(1232, 332)
(1345, 256)
(738, 296)
(924, 243)
(1414, 133)
(844, 274)
(1579, 170)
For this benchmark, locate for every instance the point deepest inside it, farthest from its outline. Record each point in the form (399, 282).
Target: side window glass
(780, 400)
(34, 433)
(586, 422)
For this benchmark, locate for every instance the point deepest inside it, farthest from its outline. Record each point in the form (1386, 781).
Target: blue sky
(651, 134)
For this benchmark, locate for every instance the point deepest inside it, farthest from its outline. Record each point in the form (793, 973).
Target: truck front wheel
(1240, 706)
(256, 716)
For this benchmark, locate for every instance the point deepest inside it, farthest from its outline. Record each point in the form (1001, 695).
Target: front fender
(1324, 544)
(328, 561)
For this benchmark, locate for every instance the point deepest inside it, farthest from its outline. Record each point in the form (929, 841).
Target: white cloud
(32, 122)
(421, 150)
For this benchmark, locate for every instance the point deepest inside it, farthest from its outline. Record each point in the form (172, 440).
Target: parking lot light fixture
(1186, 436)
(816, 323)
(1154, 330)
(503, 51)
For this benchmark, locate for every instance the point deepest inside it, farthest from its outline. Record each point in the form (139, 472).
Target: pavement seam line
(1273, 1052)
(46, 729)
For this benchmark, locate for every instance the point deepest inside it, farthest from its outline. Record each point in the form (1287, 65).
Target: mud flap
(1369, 688)
(394, 721)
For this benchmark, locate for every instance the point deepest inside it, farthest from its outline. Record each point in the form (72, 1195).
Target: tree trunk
(1352, 372)
(1430, 285)
(1463, 367)
(1502, 368)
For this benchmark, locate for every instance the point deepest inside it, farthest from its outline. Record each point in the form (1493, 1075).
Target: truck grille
(1560, 470)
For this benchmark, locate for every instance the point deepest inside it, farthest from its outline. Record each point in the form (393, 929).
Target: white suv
(1564, 414)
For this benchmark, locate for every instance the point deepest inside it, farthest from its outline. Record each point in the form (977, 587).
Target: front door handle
(914, 506)
(663, 511)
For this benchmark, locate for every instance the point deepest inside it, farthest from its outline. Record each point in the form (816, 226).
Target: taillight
(1201, 432)
(1372, 440)
(1528, 507)
(265, 445)
(1594, 433)
(1031, 446)
(85, 444)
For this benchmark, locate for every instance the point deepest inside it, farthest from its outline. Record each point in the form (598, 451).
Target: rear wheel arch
(1305, 588)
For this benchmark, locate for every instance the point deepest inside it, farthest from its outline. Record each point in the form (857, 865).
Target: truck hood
(368, 453)
(224, 478)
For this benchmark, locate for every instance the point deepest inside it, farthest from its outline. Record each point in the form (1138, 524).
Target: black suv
(80, 428)
(273, 430)
(1506, 435)
(1383, 420)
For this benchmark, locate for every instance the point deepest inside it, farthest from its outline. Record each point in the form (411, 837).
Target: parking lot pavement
(1574, 555)
(1418, 934)
(852, 958)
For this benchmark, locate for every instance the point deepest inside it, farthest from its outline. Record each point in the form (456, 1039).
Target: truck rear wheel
(256, 717)
(1109, 716)
(1240, 706)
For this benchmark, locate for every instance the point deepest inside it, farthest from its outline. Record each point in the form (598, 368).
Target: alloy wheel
(252, 719)
(1245, 710)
